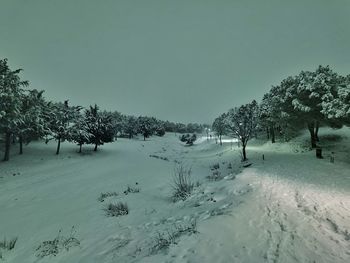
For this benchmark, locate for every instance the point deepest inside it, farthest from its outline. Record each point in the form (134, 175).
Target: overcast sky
(182, 60)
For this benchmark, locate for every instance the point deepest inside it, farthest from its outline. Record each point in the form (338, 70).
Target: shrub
(53, 247)
(8, 244)
(182, 183)
(103, 196)
(131, 190)
(118, 209)
(164, 240)
(215, 176)
(188, 139)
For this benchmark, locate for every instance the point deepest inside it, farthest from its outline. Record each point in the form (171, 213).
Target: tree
(33, 124)
(145, 126)
(61, 118)
(10, 103)
(129, 126)
(219, 126)
(79, 132)
(242, 122)
(99, 126)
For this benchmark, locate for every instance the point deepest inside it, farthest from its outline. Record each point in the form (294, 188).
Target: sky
(181, 60)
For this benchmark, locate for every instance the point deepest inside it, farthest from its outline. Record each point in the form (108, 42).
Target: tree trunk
(144, 137)
(268, 133)
(220, 140)
(311, 127)
(13, 138)
(244, 152)
(80, 146)
(7, 146)
(316, 131)
(95, 149)
(58, 146)
(20, 144)
(272, 131)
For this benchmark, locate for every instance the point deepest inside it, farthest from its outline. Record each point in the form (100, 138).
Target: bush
(118, 209)
(182, 183)
(103, 196)
(53, 247)
(164, 240)
(131, 190)
(8, 245)
(188, 139)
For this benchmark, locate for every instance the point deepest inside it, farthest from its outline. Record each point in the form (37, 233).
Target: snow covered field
(290, 207)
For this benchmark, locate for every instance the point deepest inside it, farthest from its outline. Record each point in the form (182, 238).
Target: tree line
(311, 99)
(25, 115)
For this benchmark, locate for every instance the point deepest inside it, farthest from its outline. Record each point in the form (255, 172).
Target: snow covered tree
(33, 125)
(219, 126)
(99, 125)
(242, 122)
(10, 103)
(79, 131)
(145, 126)
(129, 126)
(304, 97)
(61, 118)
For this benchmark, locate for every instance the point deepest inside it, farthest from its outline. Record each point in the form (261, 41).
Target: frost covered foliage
(311, 99)
(10, 100)
(118, 209)
(219, 126)
(104, 196)
(242, 123)
(182, 183)
(59, 243)
(188, 139)
(170, 237)
(8, 244)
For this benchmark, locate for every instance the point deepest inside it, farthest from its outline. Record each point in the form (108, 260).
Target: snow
(290, 207)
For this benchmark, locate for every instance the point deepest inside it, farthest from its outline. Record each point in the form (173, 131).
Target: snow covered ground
(290, 207)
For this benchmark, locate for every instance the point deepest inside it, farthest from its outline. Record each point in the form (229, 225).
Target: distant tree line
(25, 115)
(311, 99)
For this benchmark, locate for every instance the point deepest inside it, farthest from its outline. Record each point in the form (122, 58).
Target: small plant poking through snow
(131, 190)
(8, 244)
(182, 183)
(59, 243)
(118, 209)
(163, 240)
(103, 196)
(216, 174)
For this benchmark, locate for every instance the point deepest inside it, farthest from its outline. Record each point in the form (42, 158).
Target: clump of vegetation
(163, 240)
(105, 195)
(131, 190)
(118, 209)
(182, 183)
(159, 157)
(215, 176)
(8, 244)
(215, 166)
(59, 243)
(188, 139)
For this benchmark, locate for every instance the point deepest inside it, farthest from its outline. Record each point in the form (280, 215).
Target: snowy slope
(290, 207)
